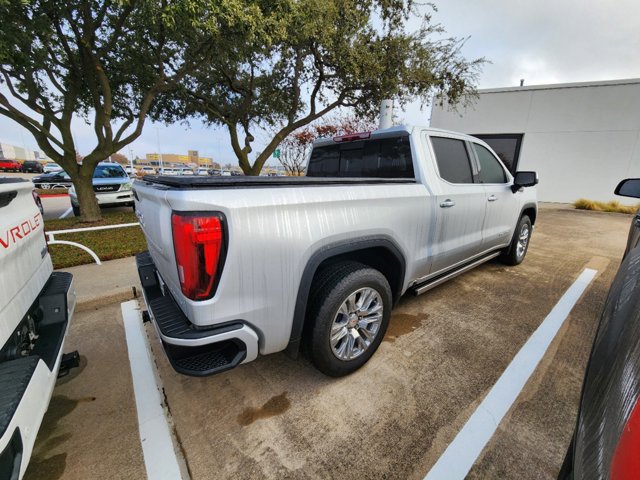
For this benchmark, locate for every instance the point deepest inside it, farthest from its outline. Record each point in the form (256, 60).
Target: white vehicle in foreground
(36, 306)
(242, 266)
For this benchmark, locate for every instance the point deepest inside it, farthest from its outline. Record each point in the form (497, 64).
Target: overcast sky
(542, 41)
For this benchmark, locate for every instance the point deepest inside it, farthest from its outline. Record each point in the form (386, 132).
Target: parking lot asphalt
(280, 418)
(91, 430)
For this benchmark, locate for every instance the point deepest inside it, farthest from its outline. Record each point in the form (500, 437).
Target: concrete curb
(93, 302)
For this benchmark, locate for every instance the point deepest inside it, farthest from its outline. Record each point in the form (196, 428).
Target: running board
(425, 287)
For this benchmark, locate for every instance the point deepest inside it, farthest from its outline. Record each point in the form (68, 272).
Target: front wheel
(349, 314)
(516, 252)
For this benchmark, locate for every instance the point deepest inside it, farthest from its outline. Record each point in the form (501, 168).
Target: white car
(147, 171)
(185, 171)
(168, 171)
(51, 167)
(202, 171)
(112, 186)
(131, 171)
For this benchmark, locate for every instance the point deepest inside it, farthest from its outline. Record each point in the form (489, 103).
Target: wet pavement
(280, 418)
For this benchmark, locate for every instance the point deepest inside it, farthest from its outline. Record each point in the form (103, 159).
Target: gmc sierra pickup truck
(242, 266)
(36, 305)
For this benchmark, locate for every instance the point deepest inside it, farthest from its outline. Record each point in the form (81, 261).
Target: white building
(581, 138)
(11, 152)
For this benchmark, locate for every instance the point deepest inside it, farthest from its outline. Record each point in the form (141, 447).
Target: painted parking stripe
(66, 213)
(160, 458)
(457, 460)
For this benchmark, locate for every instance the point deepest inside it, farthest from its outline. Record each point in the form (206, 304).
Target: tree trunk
(89, 209)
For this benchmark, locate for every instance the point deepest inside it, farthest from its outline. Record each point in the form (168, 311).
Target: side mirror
(629, 188)
(524, 179)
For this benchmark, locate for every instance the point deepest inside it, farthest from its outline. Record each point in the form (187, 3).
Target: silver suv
(112, 186)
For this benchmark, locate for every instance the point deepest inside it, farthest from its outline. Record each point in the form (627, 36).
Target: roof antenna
(386, 114)
(522, 82)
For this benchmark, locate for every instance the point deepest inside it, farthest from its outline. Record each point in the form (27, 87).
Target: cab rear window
(379, 158)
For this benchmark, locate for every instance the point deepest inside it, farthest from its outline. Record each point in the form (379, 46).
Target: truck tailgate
(24, 261)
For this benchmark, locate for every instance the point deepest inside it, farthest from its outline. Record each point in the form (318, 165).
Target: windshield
(109, 171)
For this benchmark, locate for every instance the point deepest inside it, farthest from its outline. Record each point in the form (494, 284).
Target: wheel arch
(379, 252)
(530, 210)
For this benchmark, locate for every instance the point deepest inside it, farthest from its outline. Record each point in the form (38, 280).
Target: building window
(506, 146)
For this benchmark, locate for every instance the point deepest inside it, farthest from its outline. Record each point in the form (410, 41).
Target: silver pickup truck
(242, 266)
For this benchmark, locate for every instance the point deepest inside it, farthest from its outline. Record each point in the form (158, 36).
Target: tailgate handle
(492, 198)
(448, 203)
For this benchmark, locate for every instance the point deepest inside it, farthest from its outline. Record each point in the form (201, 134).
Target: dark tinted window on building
(453, 160)
(379, 158)
(506, 146)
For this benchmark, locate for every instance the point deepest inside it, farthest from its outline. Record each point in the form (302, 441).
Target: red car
(10, 166)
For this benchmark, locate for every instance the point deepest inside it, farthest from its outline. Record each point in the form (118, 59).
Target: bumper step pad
(14, 379)
(175, 327)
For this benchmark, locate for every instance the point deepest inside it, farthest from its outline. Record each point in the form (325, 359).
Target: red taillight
(352, 137)
(197, 242)
(626, 459)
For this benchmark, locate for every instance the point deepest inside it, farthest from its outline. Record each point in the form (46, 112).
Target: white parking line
(160, 458)
(457, 460)
(65, 214)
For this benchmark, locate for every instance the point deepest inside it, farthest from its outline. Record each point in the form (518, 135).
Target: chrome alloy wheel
(523, 240)
(356, 324)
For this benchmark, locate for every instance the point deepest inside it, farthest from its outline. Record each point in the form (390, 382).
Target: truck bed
(243, 181)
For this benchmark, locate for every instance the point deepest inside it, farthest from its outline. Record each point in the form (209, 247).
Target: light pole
(159, 150)
(131, 160)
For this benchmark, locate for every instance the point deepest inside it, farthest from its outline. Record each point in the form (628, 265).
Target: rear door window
(452, 159)
(378, 158)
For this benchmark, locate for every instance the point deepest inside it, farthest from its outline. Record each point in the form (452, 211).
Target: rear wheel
(349, 315)
(516, 252)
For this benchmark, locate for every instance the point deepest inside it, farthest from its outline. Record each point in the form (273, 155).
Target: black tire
(76, 210)
(331, 289)
(515, 255)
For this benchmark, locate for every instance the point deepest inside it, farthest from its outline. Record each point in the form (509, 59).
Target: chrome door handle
(447, 203)
(492, 198)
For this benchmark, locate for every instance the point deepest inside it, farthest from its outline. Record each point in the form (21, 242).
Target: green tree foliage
(311, 57)
(106, 61)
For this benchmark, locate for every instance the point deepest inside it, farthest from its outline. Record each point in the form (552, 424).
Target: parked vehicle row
(27, 166)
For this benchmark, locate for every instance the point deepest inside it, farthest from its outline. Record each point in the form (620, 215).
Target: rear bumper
(190, 350)
(111, 199)
(27, 383)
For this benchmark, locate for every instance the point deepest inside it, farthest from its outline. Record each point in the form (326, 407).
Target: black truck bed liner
(242, 181)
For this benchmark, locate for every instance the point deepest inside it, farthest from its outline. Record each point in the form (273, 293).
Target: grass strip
(107, 244)
(613, 206)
